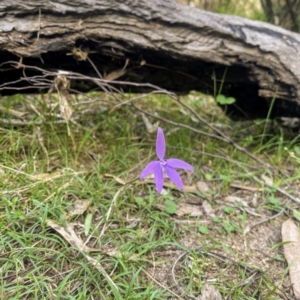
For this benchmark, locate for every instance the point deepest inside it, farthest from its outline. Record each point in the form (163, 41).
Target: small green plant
(228, 226)
(88, 223)
(216, 219)
(229, 210)
(170, 206)
(223, 100)
(296, 214)
(140, 201)
(274, 203)
(203, 229)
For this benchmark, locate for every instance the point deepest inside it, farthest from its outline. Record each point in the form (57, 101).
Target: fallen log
(161, 42)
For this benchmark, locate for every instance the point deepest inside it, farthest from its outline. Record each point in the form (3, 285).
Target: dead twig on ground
(249, 227)
(224, 136)
(178, 124)
(165, 288)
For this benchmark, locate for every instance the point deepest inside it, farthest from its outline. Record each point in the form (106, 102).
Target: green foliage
(296, 214)
(250, 9)
(140, 201)
(221, 99)
(203, 229)
(88, 224)
(283, 13)
(170, 206)
(138, 231)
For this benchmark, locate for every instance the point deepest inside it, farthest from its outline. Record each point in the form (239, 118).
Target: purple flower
(168, 165)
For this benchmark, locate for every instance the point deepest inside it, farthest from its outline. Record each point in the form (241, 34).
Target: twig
(99, 267)
(224, 157)
(41, 143)
(283, 192)
(178, 124)
(107, 216)
(165, 288)
(76, 242)
(113, 203)
(248, 228)
(39, 26)
(224, 136)
(12, 112)
(30, 122)
(134, 99)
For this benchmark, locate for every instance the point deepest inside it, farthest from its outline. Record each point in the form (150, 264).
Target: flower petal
(174, 176)
(160, 144)
(149, 169)
(179, 164)
(159, 178)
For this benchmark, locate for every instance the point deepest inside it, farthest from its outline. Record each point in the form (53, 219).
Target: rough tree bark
(157, 41)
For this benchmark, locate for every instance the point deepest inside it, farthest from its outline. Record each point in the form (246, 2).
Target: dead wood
(176, 47)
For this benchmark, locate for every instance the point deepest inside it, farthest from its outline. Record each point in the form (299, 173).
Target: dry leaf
(245, 187)
(115, 74)
(208, 208)
(150, 127)
(254, 200)
(202, 186)
(117, 179)
(62, 85)
(183, 209)
(79, 54)
(78, 208)
(70, 236)
(189, 188)
(45, 176)
(65, 109)
(186, 113)
(267, 180)
(209, 292)
(74, 240)
(188, 209)
(133, 223)
(234, 199)
(12, 112)
(164, 192)
(186, 188)
(291, 238)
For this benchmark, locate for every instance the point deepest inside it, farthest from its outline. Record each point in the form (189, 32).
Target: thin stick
(281, 191)
(157, 282)
(107, 216)
(224, 136)
(178, 124)
(40, 139)
(12, 112)
(225, 157)
(248, 228)
(39, 28)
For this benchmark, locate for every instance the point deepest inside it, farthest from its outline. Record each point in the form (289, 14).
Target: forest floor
(75, 224)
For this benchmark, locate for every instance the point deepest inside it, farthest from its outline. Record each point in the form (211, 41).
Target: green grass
(136, 244)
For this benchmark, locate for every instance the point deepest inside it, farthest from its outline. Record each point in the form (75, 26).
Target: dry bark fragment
(291, 238)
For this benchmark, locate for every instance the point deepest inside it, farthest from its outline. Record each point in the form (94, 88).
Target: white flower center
(163, 162)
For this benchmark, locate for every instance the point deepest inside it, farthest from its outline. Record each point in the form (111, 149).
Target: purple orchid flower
(168, 165)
